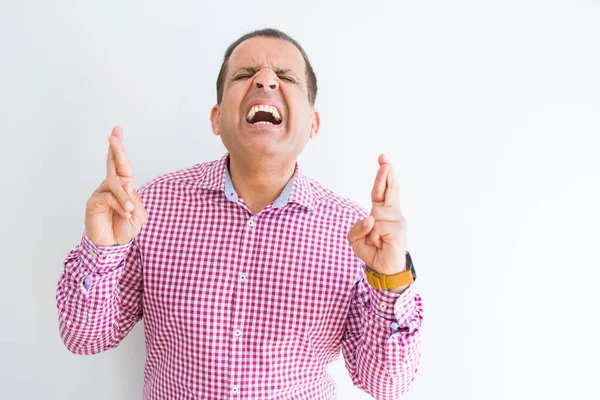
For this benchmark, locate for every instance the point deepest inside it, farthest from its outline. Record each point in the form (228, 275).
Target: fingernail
(365, 223)
(129, 206)
(128, 215)
(130, 190)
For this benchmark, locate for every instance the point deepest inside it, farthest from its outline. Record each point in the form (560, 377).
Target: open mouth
(263, 115)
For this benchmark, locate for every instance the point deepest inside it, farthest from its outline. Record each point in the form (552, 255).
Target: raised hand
(114, 213)
(380, 239)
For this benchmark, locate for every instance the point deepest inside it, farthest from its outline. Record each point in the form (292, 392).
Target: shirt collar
(297, 190)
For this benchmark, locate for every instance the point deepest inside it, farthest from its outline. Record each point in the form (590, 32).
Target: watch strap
(385, 282)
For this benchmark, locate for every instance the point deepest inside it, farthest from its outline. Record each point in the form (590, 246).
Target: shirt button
(237, 333)
(251, 223)
(110, 256)
(93, 255)
(383, 306)
(243, 277)
(234, 390)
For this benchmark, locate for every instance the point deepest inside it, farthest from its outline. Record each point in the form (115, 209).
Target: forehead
(267, 52)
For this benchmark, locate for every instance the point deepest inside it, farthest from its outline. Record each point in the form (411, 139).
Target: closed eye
(286, 78)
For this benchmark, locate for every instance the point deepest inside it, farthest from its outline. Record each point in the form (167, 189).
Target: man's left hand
(380, 239)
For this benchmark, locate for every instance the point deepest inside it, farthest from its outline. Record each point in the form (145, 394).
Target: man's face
(265, 109)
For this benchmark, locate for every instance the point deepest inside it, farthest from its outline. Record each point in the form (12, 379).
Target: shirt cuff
(99, 260)
(398, 308)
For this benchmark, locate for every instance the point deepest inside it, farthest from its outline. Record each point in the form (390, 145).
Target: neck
(259, 182)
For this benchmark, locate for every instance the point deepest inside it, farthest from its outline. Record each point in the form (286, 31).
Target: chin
(263, 150)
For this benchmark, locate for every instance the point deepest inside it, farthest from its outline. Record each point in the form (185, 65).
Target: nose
(267, 80)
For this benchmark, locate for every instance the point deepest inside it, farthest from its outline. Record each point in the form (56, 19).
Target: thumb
(361, 228)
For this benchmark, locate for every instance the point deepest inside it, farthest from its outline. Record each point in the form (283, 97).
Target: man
(250, 276)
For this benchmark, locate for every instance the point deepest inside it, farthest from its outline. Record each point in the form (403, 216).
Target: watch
(385, 282)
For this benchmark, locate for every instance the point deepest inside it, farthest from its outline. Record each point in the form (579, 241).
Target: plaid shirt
(241, 306)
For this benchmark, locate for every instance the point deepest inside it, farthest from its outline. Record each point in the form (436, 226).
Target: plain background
(488, 110)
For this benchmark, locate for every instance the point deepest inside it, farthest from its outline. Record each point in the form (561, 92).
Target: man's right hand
(115, 214)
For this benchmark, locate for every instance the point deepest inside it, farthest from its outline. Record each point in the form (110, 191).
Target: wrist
(399, 290)
(395, 283)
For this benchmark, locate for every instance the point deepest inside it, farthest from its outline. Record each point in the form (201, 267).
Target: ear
(316, 124)
(215, 113)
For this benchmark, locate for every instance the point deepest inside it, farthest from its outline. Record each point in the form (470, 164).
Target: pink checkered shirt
(241, 306)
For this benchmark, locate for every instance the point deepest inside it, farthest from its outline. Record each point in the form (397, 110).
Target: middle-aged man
(250, 276)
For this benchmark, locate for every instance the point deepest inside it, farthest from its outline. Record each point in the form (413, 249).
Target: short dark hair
(311, 78)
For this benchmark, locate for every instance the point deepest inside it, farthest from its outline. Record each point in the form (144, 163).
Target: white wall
(490, 112)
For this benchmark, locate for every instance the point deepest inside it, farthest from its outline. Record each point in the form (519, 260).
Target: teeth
(276, 114)
(263, 123)
(271, 109)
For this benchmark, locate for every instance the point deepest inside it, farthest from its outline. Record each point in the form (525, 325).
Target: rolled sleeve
(400, 309)
(97, 261)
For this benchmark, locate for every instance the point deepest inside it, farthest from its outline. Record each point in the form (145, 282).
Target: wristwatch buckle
(375, 280)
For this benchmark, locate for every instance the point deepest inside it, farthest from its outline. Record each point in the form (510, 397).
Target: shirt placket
(239, 388)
